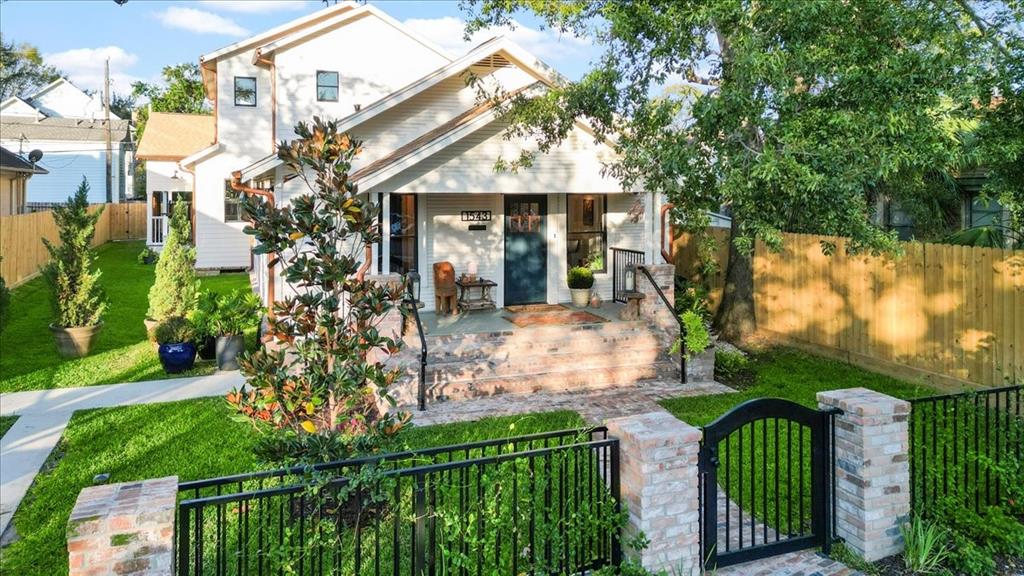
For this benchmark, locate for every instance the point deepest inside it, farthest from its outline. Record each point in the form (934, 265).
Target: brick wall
(652, 308)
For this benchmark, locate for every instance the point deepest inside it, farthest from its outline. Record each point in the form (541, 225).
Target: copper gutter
(236, 185)
(668, 254)
(260, 59)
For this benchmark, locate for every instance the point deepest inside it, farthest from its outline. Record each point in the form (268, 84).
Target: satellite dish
(35, 156)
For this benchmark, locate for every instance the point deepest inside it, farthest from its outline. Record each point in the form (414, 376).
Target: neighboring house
(168, 139)
(70, 128)
(15, 172)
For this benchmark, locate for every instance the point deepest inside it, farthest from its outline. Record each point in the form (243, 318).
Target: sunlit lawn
(121, 353)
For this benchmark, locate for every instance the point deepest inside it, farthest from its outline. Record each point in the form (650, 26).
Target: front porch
(501, 319)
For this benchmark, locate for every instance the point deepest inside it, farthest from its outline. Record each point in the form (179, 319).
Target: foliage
(204, 314)
(5, 301)
(76, 295)
(174, 330)
(235, 312)
(181, 91)
(5, 424)
(733, 369)
(796, 115)
(29, 360)
(967, 557)
(994, 529)
(924, 546)
(176, 287)
(595, 261)
(986, 237)
(122, 105)
(147, 256)
(22, 70)
(695, 338)
(326, 375)
(692, 296)
(580, 278)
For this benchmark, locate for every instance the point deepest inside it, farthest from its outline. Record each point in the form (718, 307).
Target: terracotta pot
(229, 348)
(74, 341)
(595, 300)
(580, 297)
(177, 357)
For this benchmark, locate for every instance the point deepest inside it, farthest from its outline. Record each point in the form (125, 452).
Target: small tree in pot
(235, 312)
(176, 287)
(77, 298)
(580, 280)
(177, 350)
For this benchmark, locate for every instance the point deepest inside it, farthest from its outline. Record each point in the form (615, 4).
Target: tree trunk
(735, 318)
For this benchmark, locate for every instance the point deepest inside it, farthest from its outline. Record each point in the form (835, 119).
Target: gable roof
(75, 129)
(15, 106)
(170, 136)
(11, 162)
(75, 90)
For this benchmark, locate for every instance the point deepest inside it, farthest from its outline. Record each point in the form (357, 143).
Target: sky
(142, 36)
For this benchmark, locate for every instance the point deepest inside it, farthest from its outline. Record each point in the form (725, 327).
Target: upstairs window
(245, 91)
(326, 86)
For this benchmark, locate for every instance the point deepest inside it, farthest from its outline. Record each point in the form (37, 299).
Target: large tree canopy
(181, 92)
(22, 70)
(796, 113)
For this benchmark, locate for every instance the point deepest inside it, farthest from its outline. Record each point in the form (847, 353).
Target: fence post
(660, 489)
(419, 549)
(872, 472)
(124, 528)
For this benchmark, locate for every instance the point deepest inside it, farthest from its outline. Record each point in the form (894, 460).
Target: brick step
(537, 334)
(552, 381)
(526, 348)
(517, 364)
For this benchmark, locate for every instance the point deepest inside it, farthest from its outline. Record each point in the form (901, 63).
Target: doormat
(536, 308)
(563, 317)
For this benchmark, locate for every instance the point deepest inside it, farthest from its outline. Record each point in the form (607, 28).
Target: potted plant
(148, 256)
(580, 280)
(177, 351)
(235, 312)
(202, 320)
(176, 287)
(76, 296)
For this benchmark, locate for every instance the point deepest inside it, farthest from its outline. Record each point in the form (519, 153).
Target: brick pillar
(872, 470)
(652, 308)
(125, 528)
(659, 480)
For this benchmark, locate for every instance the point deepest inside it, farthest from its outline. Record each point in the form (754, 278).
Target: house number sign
(476, 215)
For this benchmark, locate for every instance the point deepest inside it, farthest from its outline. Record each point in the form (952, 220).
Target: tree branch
(982, 26)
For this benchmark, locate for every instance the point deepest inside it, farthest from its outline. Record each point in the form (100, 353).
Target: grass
(5, 424)
(121, 353)
(191, 439)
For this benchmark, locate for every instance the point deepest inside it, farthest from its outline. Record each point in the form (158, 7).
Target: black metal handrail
(621, 259)
(410, 301)
(682, 327)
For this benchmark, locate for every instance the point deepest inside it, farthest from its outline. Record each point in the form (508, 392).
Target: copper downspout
(668, 254)
(260, 59)
(236, 185)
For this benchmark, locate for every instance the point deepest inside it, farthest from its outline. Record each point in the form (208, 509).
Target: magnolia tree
(319, 389)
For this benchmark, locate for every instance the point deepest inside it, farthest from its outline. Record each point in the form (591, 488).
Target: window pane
(327, 79)
(985, 213)
(586, 240)
(245, 91)
(327, 93)
(402, 224)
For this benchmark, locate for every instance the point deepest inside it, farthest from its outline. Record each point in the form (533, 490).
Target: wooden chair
(444, 288)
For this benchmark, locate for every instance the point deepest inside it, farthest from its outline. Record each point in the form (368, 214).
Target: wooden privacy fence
(953, 314)
(21, 237)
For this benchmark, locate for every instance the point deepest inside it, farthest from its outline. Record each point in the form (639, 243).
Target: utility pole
(106, 112)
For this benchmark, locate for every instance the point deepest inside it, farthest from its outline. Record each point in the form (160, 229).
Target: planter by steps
(580, 297)
(229, 348)
(177, 357)
(74, 341)
(207, 348)
(701, 367)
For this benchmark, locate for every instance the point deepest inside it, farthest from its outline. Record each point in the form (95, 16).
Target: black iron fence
(621, 260)
(545, 503)
(966, 446)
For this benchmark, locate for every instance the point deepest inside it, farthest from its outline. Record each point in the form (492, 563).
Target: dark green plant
(692, 296)
(966, 557)
(993, 236)
(325, 376)
(924, 546)
(235, 312)
(732, 366)
(147, 256)
(205, 313)
(76, 295)
(174, 330)
(696, 338)
(580, 278)
(176, 287)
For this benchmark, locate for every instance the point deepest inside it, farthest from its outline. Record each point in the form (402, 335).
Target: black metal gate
(766, 482)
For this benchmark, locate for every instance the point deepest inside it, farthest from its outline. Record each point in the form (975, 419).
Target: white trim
(261, 166)
(201, 155)
(385, 236)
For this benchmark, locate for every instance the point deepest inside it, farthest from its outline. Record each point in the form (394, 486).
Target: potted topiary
(580, 280)
(176, 287)
(77, 298)
(235, 311)
(202, 319)
(177, 351)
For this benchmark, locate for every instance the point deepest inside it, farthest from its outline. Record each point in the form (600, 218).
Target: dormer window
(245, 91)
(326, 86)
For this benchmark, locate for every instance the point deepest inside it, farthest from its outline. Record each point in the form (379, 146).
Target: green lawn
(121, 353)
(193, 439)
(5, 424)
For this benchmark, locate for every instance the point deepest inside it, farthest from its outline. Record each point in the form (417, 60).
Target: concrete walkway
(44, 414)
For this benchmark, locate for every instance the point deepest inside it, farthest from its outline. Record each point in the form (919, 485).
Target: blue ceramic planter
(177, 357)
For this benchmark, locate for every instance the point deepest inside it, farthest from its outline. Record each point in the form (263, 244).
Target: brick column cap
(654, 429)
(109, 506)
(863, 402)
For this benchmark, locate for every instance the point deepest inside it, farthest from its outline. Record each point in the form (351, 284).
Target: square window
(245, 91)
(326, 86)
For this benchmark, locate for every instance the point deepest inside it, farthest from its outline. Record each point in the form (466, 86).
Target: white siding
(245, 131)
(68, 162)
(219, 244)
(17, 107)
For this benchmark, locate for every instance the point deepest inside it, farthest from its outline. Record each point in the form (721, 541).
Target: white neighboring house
(15, 173)
(167, 139)
(68, 126)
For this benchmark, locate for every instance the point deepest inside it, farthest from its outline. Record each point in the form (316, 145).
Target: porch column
(385, 234)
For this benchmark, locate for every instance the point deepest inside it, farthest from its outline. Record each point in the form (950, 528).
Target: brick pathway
(803, 563)
(594, 406)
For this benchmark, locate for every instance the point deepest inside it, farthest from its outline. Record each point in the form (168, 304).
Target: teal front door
(526, 255)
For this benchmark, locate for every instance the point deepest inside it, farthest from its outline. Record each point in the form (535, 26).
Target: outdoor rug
(549, 315)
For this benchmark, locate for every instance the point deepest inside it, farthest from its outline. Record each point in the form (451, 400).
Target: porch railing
(621, 260)
(414, 308)
(157, 229)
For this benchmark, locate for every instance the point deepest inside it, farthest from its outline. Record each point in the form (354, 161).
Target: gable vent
(493, 61)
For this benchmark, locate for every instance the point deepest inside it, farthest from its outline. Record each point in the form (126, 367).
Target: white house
(15, 172)
(70, 128)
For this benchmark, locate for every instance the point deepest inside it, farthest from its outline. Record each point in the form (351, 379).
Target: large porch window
(587, 236)
(402, 225)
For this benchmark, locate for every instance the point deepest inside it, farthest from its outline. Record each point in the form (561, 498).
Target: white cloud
(447, 32)
(255, 6)
(199, 21)
(84, 67)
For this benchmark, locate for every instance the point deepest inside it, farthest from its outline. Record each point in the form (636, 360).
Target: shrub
(76, 295)
(580, 278)
(204, 314)
(174, 330)
(234, 312)
(730, 365)
(966, 557)
(692, 296)
(696, 337)
(324, 382)
(925, 546)
(147, 256)
(176, 287)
